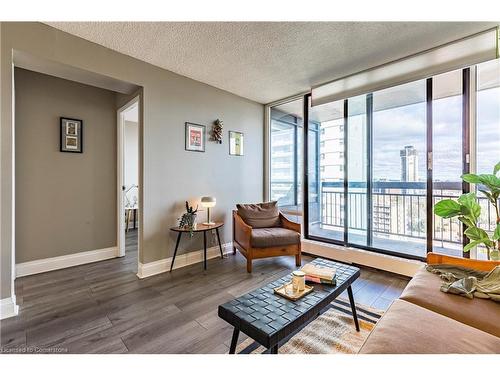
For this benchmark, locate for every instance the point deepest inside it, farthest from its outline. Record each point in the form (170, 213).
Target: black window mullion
(429, 191)
(465, 142)
(346, 175)
(369, 168)
(295, 166)
(305, 156)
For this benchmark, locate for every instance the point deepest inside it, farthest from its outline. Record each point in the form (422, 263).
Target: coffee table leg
(175, 251)
(234, 341)
(274, 349)
(220, 245)
(353, 307)
(204, 249)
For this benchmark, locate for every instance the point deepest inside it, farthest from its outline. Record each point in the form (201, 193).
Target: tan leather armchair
(256, 243)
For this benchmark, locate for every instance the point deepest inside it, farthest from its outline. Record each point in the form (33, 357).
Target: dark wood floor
(104, 308)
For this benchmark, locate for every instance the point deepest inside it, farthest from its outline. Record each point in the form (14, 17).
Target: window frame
(268, 148)
(468, 129)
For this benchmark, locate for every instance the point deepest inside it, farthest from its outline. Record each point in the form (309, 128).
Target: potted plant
(188, 219)
(467, 210)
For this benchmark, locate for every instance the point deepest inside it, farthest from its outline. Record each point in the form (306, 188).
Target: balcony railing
(398, 210)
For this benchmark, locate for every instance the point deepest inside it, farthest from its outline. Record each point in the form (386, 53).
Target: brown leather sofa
(261, 231)
(425, 320)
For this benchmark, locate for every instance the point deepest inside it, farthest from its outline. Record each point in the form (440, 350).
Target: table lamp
(208, 202)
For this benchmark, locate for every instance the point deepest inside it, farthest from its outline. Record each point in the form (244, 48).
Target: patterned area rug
(333, 332)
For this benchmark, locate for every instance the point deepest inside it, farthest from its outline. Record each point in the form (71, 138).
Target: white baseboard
(182, 260)
(406, 267)
(51, 264)
(8, 307)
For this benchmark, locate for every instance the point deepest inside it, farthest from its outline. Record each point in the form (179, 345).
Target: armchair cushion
(261, 215)
(271, 237)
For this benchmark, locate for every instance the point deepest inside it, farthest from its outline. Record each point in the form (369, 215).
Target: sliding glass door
(378, 163)
(357, 161)
(326, 171)
(487, 135)
(448, 151)
(286, 157)
(398, 169)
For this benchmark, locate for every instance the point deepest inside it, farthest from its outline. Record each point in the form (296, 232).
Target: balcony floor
(408, 246)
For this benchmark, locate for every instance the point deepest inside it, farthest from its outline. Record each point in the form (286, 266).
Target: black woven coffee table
(270, 319)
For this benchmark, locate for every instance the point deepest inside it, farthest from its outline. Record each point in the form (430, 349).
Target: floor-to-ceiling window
(326, 199)
(285, 156)
(487, 135)
(447, 163)
(382, 160)
(398, 169)
(357, 160)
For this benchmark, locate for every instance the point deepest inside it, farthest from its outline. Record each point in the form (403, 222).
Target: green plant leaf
(490, 181)
(496, 168)
(471, 178)
(471, 244)
(447, 208)
(496, 233)
(488, 195)
(477, 234)
(469, 201)
(466, 221)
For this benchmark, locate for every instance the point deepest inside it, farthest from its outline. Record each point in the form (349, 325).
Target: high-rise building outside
(409, 164)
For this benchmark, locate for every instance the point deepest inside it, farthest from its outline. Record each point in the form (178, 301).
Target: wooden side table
(199, 228)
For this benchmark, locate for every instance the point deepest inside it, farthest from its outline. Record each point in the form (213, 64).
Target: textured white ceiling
(267, 61)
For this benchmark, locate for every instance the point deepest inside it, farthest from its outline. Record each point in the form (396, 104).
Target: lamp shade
(208, 201)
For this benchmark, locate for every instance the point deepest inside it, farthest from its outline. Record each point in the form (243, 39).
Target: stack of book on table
(319, 275)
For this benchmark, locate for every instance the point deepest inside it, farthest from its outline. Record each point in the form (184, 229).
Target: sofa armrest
(285, 223)
(481, 265)
(241, 230)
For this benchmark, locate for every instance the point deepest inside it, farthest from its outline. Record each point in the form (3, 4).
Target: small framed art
(71, 135)
(195, 137)
(235, 143)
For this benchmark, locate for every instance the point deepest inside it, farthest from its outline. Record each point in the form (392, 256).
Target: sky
(395, 128)
(404, 126)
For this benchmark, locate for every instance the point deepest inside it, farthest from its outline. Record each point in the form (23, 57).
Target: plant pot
(189, 221)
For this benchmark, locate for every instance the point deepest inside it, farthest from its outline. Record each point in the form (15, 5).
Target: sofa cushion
(269, 237)
(261, 215)
(423, 290)
(410, 329)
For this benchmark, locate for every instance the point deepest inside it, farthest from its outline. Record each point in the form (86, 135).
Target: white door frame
(120, 173)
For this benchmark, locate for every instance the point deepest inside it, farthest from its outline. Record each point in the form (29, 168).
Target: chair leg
(249, 265)
(234, 249)
(298, 260)
(298, 256)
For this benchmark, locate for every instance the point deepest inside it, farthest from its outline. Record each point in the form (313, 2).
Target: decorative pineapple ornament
(217, 131)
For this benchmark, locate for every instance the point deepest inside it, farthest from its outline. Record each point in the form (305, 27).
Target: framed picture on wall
(195, 137)
(235, 143)
(71, 135)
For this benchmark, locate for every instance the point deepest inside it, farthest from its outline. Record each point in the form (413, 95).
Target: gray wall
(170, 174)
(65, 202)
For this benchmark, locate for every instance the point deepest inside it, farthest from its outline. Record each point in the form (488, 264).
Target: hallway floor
(104, 308)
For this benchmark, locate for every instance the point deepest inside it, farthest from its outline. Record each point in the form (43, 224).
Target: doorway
(128, 192)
